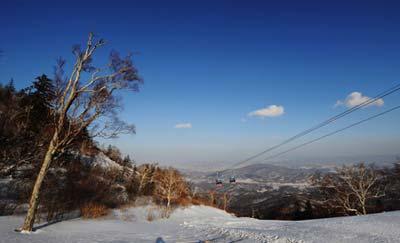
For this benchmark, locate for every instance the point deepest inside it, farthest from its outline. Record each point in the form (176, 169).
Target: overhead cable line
(324, 123)
(332, 133)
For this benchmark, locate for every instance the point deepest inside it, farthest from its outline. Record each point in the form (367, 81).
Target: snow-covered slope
(102, 161)
(201, 224)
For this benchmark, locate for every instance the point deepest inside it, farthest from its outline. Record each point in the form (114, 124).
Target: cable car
(218, 180)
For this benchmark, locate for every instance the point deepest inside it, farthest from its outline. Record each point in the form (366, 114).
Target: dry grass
(201, 201)
(130, 204)
(184, 201)
(93, 210)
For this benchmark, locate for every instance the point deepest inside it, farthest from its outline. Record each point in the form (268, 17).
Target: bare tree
(393, 181)
(145, 175)
(351, 188)
(226, 199)
(193, 189)
(85, 102)
(212, 197)
(170, 185)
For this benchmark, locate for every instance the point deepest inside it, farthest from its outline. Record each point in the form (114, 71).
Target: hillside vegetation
(84, 177)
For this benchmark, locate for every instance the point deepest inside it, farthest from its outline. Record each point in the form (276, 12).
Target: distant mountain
(258, 173)
(298, 162)
(266, 172)
(261, 189)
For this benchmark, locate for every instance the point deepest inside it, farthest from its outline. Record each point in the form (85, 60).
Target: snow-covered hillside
(202, 224)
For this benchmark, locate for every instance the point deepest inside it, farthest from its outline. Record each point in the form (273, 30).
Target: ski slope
(202, 224)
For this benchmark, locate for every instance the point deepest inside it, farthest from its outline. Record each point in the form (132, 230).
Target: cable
(324, 123)
(332, 133)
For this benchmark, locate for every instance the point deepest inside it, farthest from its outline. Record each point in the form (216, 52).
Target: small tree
(169, 186)
(226, 200)
(114, 153)
(127, 161)
(145, 176)
(392, 176)
(351, 188)
(212, 197)
(84, 101)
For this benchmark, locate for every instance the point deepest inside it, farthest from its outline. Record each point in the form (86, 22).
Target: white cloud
(183, 125)
(270, 111)
(357, 98)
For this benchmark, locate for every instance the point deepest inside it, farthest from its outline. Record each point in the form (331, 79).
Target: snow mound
(104, 161)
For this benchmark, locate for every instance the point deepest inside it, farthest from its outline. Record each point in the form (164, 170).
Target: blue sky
(208, 64)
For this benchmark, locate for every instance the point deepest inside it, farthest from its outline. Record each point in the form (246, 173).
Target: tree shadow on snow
(67, 217)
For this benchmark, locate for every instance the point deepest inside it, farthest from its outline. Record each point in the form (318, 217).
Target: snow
(201, 223)
(102, 161)
(247, 181)
(299, 185)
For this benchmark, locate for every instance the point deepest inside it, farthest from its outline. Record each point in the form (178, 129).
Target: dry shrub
(151, 215)
(165, 212)
(201, 201)
(93, 210)
(204, 199)
(103, 186)
(184, 201)
(115, 196)
(130, 204)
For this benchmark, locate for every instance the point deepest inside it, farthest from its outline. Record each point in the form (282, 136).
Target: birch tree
(145, 176)
(86, 102)
(351, 188)
(226, 200)
(170, 185)
(211, 195)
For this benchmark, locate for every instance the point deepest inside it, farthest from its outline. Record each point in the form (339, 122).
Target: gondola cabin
(218, 179)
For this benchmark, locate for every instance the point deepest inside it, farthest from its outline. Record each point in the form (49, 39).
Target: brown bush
(93, 210)
(199, 201)
(202, 199)
(183, 201)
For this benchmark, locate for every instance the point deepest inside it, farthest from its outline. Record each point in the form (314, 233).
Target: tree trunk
(225, 201)
(168, 202)
(364, 209)
(34, 201)
(141, 183)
